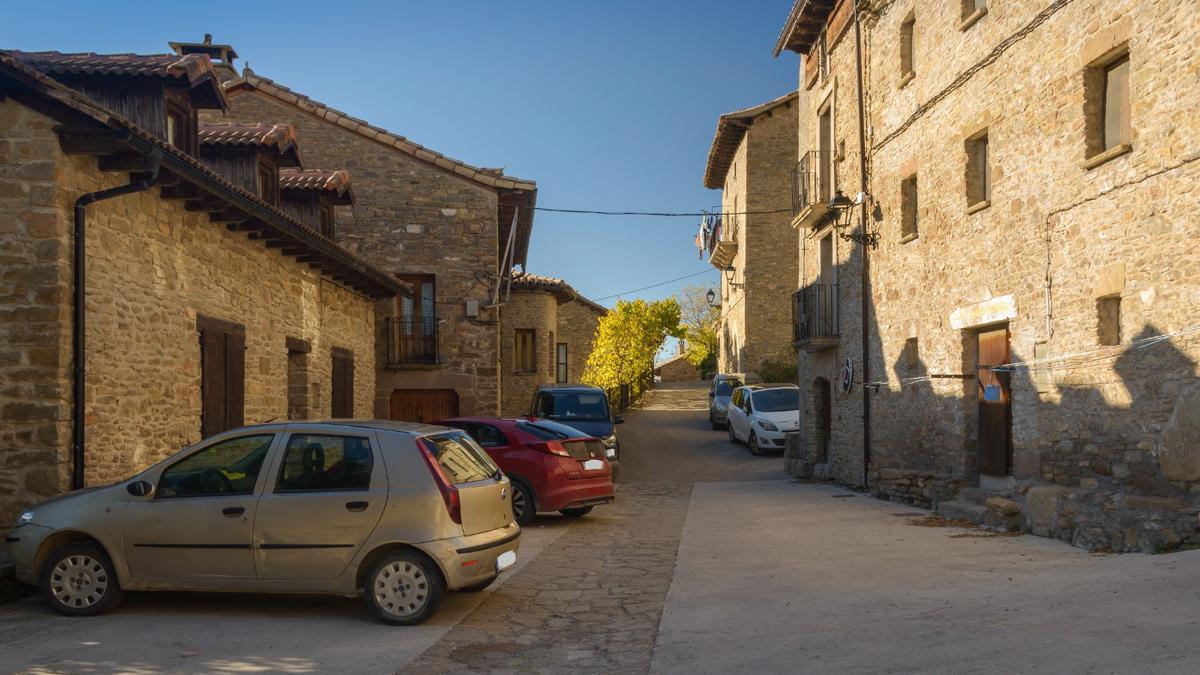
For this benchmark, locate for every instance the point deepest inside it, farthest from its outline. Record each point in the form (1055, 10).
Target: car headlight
(609, 441)
(25, 518)
(767, 426)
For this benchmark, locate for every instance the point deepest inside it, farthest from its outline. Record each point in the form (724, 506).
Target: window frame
(268, 180)
(908, 49)
(561, 363)
(910, 208)
(525, 362)
(274, 436)
(1125, 132)
(283, 454)
(1099, 148)
(978, 171)
(327, 220)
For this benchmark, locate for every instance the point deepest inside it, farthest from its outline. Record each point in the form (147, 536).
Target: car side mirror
(619, 419)
(712, 394)
(140, 488)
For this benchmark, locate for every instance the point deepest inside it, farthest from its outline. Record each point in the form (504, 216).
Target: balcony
(811, 189)
(815, 317)
(411, 341)
(719, 243)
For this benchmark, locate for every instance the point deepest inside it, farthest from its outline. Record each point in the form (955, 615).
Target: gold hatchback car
(400, 512)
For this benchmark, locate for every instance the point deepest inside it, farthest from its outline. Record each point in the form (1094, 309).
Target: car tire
(577, 513)
(404, 588)
(78, 579)
(475, 588)
(523, 504)
(753, 445)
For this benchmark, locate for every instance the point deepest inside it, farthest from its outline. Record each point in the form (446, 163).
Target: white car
(761, 415)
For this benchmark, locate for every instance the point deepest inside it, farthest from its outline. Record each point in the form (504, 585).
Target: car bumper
(21, 545)
(771, 439)
(467, 561)
(576, 492)
(719, 415)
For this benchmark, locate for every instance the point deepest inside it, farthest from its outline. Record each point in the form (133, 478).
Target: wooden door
(995, 402)
(423, 405)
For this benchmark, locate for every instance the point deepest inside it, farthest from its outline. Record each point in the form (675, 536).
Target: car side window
(487, 436)
(230, 467)
(317, 462)
(746, 401)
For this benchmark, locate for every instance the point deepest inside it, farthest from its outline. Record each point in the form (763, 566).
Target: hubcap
(78, 581)
(401, 588)
(518, 504)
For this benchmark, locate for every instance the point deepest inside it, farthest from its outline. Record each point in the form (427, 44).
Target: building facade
(751, 240)
(1032, 331)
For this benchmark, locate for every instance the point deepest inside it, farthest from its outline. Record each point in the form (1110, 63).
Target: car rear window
(571, 405)
(726, 387)
(461, 458)
(550, 431)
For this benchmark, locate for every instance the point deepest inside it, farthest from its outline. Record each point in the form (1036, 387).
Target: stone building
(750, 241)
(677, 369)
(546, 334)
(204, 303)
(450, 230)
(1032, 315)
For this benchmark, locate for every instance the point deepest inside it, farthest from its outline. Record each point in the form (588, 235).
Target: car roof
(570, 387)
(414, 428)
(781, 385)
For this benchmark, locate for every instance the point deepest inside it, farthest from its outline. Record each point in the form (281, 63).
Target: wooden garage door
(423, 405)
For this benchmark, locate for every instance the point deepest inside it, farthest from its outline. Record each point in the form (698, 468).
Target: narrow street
(710, 561)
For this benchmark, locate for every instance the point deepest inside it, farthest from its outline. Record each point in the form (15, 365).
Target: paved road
(710, 561)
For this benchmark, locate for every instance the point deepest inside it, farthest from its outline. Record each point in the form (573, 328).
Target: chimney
(222, 55)
(682, 346)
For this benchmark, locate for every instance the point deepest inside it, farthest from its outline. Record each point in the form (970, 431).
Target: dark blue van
(584, 408)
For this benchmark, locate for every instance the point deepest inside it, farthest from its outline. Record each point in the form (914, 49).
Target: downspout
(79, 338)
(866, 277)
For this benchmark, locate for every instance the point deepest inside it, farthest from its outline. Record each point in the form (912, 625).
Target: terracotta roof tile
(335, 183)
(195, 70)
(280, 138)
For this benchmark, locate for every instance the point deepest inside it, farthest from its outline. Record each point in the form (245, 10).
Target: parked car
(719, 394)
(762, 415)
(553, 467)
(402, 512)
(585, 408)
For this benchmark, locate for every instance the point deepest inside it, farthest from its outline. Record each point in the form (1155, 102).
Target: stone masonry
(577, 324)
(534, 310)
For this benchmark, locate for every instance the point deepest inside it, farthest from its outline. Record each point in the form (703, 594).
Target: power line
(660, 214)
(661, 283)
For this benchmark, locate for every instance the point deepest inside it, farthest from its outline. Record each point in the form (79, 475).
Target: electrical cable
(661, 283)
(660, 214)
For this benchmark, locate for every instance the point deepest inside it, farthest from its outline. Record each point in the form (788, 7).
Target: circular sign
(845, 379)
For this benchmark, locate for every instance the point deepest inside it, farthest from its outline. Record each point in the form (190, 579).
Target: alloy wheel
(401, 588)
(78, 581)
(519, 505)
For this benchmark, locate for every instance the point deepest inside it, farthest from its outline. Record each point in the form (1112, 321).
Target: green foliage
(699, 321)
(778, 372)
(627, 340)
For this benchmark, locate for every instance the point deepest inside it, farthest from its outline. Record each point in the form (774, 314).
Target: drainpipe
(79, 338)
(866, 277)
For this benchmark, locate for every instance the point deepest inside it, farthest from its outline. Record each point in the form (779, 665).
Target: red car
(553, 467)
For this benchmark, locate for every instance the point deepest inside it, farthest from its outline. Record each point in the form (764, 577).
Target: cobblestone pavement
(592, 600)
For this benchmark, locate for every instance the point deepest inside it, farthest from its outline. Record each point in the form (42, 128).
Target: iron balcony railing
(411, 340)
(815, 313)
(812, 183)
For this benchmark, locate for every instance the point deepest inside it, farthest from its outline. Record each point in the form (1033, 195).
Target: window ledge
(906, 78)
(909, 237)
(973, 19)
(1112, 153)
(978, 206)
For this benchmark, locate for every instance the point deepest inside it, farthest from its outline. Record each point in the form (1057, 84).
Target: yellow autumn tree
(627, 340)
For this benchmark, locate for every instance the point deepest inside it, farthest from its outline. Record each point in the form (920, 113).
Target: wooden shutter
(342, 385)
(222, 375)
(235, 380)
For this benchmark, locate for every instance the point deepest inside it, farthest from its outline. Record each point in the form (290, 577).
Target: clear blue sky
(608, 104)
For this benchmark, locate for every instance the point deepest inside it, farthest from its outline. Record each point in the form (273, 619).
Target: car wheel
(405, 588)
(576, 513)
(79, 580)
(753, 443)
(475, 588)
(523, 506)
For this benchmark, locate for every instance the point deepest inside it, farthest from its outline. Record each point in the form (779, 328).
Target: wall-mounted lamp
(842, 210)
(712, 297)
(729, 272)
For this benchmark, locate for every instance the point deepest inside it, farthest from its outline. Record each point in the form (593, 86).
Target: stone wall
(534, 310)
(731, 337)
(153, 267)
(411, 217)
(678, 369)
(577, 324)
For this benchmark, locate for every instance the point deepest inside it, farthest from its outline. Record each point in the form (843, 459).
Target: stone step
(961, 510)
(975, 495)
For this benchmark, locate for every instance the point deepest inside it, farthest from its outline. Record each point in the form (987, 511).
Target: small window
(1108, 321)
(460, 457)
(317, 462)
(524, 350)
(979, 170)
(1116, 103)
(1108, 129)
(227, 468)
(327, 220)
(268, 183)
(909, 220)
(180, 128)
(342, 384)
(908, 66)
(973, 9)
(560, 363)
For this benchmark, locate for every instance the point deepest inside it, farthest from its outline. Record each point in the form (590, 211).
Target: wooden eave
(804, 25)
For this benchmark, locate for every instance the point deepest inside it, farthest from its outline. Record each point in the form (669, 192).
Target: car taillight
(449, 490)
(553, 447)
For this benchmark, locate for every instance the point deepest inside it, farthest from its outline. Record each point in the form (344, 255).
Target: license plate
(505, 560)
(593, 465)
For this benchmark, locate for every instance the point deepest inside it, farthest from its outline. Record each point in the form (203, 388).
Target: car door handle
(357, 506)
(232, 511)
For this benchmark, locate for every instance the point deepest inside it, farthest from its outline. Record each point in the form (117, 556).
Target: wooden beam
(122, 161)
(181, 191)
(88, 143)
(227, 216)
(205, 205)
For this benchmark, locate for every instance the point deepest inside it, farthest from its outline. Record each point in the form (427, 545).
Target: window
(568, 406)
(1116, 103)
(979, 171)
(1106, 107)
(222, 375)
(1108, 321)
(972, 11)
(524, 350)
(486, 435)
(268, 183)
(550, 352)
(416, 330)
(298, 379)
(909, 220)
(317, 462)
(227, 468)
(181, 130)
(777, 400)
(560, 363)
(327, 220)
(459, 456)
(342, 384)
(823, 55)
(907, 37)
(825, 159)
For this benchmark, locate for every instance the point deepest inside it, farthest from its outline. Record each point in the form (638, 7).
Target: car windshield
(776, 400)
(574, 405)
(726, 387)
(550, 431)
